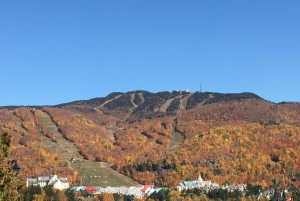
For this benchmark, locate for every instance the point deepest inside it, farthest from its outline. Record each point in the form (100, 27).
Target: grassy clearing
(66, 148)
(100, 174)
(176, 141)
(92, 173)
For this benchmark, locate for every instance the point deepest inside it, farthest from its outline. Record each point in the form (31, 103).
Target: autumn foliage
(34, 159)
(234, 138)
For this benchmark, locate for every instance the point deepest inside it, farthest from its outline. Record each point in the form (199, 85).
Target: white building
(53, 180)
(200, 183)
(136, 191)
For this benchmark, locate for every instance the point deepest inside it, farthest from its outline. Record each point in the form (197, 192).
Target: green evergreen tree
(163, 195)
(10, 184)
(129, 198)
(30, 191)
(56, 196)
(284, 195)
(153, 196)
(49, 191)
(27, 197)
(70, 194)
(118, 197)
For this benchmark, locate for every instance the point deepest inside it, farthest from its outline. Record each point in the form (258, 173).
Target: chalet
(53, 180)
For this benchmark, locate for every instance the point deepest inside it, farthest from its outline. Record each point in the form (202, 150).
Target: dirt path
(98, 108)
(202, 103)
(183, 102)
(141, 97)
(111, 130)
(132, 96)
(176, 141)
(166, 104)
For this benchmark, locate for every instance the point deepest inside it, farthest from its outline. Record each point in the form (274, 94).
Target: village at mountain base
(140, 191)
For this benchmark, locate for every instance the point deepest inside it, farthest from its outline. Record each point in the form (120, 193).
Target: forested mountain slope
(165, 137)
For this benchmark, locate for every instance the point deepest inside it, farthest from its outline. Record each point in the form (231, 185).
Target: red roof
(147, 187)
(91, 189)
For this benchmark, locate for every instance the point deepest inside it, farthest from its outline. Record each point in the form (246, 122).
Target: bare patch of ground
(202, 103)
(183, 102)
(99, 107)
(132, 96)
(166, 104)
(141, 97)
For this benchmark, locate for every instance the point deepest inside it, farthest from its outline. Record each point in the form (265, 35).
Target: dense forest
(163, 138)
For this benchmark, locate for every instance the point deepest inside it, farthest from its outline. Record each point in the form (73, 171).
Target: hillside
(163, 137)
(139, 105)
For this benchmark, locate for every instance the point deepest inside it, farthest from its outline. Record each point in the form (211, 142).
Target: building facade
(52, 180)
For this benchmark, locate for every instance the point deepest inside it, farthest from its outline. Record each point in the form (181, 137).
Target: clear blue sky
(54, 52)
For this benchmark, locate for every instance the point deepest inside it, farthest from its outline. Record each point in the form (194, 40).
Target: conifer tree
(10, 185)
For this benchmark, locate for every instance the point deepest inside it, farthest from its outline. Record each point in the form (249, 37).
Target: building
(146, 189)
(53, 180)
(200, 183)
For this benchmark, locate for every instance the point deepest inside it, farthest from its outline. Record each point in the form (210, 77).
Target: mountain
(163, 137)
(137, 105)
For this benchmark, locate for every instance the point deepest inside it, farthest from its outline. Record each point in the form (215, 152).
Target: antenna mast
(200, 87)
